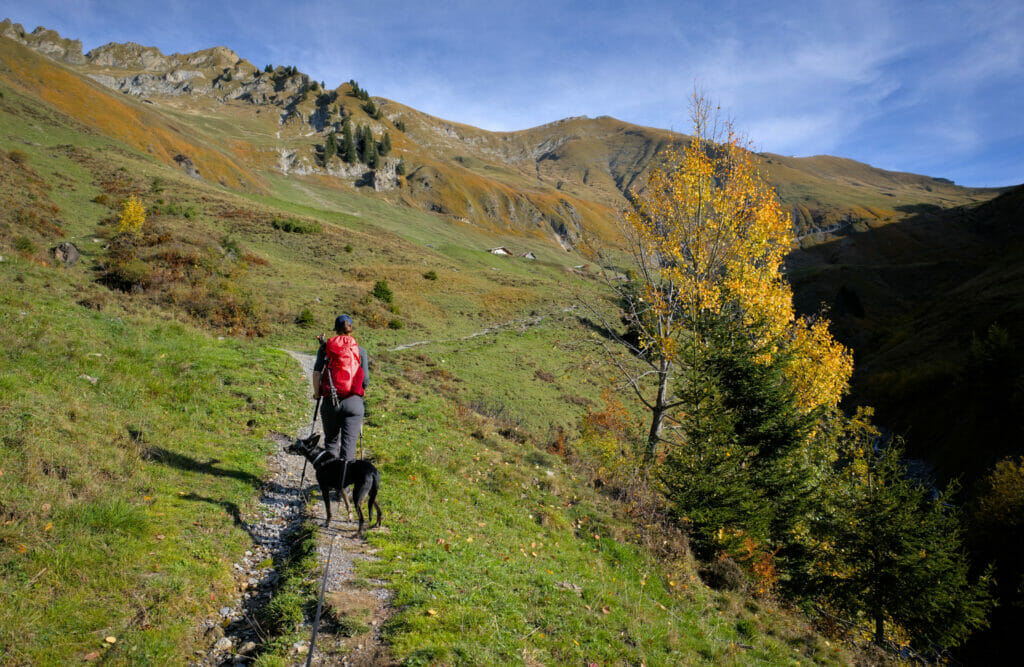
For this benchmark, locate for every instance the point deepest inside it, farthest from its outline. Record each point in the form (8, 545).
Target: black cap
(341, 321)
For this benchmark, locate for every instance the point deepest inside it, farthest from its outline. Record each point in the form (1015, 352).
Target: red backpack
(343, 368)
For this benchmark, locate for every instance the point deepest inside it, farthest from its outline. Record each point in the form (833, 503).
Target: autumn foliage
(132, 216)
(748, 444)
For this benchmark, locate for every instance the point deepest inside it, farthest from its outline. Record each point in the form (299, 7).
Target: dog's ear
(313, 440)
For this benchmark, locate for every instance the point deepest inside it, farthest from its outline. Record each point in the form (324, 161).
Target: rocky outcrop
(129, 56)
(47, 42)
(176, 82)
(185, 162)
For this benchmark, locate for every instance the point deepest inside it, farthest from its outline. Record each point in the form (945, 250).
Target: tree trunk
(879, 631)
(658, 411)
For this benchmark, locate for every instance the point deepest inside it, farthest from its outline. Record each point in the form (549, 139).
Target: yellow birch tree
(707, 237)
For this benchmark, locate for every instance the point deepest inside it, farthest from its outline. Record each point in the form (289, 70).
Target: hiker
(341, 389)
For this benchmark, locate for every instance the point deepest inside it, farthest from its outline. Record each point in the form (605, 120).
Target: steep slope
(563, 182)
(916, 301)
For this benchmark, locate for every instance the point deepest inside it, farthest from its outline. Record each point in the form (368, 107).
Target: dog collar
(317, 458)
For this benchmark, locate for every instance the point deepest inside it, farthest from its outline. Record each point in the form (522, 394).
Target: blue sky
(933, 87)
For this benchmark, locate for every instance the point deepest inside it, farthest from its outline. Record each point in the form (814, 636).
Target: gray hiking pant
(342, 425)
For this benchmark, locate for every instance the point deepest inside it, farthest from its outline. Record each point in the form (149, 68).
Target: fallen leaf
(46, 507)
(111, 640)
(606, 610)
(48, 526)
(431, 612)
(92, 655)
(159, 537)
(447, 547)
(481, 523)
(22, 548)
(469, 539)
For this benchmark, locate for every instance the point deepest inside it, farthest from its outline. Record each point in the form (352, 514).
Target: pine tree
(360, 140)
(385, 144)
(743, 474)
(371, 158)
(400, 168)
(347, 149)
(892, 551)
(330, 147)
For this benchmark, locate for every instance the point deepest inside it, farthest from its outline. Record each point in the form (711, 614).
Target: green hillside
(142, 383)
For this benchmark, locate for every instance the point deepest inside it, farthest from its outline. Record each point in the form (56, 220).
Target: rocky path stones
(362, 606)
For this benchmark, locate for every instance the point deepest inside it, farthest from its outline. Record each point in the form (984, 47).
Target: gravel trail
(234, 633)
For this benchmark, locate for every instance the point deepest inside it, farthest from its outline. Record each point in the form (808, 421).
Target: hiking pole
(320, 604)
(360, 441)
(305, 461)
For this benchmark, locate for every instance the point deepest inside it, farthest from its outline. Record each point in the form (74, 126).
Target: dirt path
(521, 323)
(361, 606)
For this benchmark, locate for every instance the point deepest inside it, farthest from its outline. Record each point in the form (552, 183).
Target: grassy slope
(140, 529)
(120, 497)
(499, 556)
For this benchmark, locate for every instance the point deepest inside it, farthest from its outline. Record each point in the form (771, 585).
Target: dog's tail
(371, 500)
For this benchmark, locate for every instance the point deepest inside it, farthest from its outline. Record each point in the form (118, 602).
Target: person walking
(341, 388)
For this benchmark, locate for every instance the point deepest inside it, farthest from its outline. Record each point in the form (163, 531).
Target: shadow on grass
(228, 506)
(189, 464)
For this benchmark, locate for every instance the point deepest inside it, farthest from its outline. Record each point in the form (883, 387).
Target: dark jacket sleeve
(321, 359)
(364, 361)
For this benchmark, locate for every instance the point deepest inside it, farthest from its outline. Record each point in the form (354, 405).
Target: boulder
(66, 253)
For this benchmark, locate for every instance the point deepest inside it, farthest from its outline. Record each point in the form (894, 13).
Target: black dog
(333, 473)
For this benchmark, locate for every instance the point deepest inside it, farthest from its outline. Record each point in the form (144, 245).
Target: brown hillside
(125, 120)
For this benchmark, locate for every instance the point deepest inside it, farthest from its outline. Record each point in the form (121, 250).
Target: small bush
(24, 245)
(294, 226)
(305, 319)
(187, 212)
(746, 628)
(17, 156)
(724, 574)
(395, 324)
(128, 275)
(348, 248)
(430, 275)
(101, 198)
(382, 292)
(132, 216)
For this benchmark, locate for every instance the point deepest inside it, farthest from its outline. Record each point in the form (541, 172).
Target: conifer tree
(371, 158)
(891, 551)
(744, 477)
(330, 147)
(385, 144)
(347, 150)
(360, 138)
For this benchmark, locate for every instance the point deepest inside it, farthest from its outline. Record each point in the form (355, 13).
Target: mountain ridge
(565, 180)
